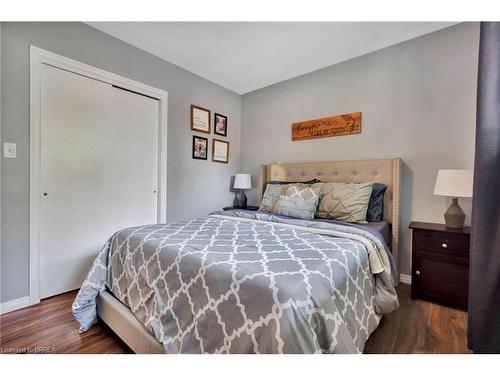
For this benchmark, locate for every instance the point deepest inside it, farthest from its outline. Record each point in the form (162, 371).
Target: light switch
(9, 150)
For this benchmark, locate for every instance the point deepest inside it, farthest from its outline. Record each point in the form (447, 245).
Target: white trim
(37, 58)
(14, 304)
(405, 279)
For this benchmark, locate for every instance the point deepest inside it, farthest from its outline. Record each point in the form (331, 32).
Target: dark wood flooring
(420, 327)
(416, 327)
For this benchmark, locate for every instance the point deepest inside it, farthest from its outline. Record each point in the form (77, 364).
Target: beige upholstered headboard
(385, 171)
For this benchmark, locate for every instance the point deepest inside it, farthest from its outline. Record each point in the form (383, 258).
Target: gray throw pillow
(299, 201)
(296, 207)
(272, 193)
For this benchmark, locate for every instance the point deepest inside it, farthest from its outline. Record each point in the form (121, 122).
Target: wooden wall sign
(346, 124)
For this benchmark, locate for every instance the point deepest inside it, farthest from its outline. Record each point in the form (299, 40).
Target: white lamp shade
(454, 183)
(242, 181)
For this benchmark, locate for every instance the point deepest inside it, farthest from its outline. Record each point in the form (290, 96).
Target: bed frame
(123, 322)
(386, 171)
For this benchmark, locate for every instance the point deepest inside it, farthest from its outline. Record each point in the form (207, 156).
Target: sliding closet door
(99, 165)
(133, 175)
(74, 134)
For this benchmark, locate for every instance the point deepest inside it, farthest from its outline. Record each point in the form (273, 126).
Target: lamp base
(242, 199)
(454, 217)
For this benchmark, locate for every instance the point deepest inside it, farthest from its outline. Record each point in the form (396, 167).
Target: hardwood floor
(51, 325)
(419, 327)
(416, 327)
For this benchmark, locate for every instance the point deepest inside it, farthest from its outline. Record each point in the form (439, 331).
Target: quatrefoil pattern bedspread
(246, 282)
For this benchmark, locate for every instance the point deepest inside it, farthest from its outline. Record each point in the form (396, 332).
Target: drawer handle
(417, 273)
(444, 246)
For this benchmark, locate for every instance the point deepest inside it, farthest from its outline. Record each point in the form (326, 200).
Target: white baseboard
(405, 279)
(14, 304)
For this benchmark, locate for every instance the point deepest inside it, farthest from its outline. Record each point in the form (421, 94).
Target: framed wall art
(200, 147)
(220, 124)
(200, 119)
(220, 151)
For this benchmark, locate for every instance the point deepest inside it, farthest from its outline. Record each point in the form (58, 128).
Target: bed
(250, 282)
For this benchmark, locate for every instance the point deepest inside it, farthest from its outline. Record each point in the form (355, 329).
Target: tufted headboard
(385, 171)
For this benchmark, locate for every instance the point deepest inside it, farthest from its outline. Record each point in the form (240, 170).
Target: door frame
(38, 57)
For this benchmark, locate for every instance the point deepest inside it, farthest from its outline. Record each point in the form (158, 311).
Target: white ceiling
(246, 56)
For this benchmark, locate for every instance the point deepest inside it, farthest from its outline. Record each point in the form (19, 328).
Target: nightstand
(249, 208)
(440, 263)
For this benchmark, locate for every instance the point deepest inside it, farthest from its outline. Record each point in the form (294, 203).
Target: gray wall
(418, 102)
(195, 187)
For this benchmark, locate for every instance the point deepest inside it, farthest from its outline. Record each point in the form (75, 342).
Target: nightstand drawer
(441, 279)
(441, 243)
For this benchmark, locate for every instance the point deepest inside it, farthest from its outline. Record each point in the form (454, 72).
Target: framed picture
(200, 119)
(220, 124)
(200, 147)
(220, 151)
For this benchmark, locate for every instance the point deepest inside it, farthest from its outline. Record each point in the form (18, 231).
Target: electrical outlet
(9, 150)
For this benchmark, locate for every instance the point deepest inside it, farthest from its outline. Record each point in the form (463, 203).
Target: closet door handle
(45, 194)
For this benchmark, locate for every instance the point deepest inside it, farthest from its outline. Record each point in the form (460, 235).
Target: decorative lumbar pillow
(298, 201)
(343, 201)
(272, 193)
(301, 191)
(375, 211)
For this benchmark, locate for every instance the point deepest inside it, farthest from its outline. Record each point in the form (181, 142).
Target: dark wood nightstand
(440, 263)
(249, 208)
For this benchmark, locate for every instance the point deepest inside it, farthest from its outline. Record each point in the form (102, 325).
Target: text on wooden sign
(349, 123)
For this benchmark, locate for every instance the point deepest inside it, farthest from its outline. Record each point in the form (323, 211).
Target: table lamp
(242, 182)
(454, 183)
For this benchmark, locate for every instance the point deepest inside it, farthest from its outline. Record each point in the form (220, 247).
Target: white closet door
(74, 134)
(133, 157)
(99, 162)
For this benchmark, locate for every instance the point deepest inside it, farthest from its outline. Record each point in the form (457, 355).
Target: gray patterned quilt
(246, 282)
